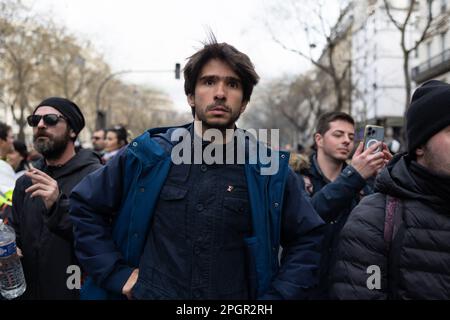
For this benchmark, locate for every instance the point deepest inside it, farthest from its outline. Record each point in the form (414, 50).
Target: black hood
(396, 180)
(82, 159)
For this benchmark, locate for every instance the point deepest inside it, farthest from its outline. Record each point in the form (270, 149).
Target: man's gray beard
(52, 149)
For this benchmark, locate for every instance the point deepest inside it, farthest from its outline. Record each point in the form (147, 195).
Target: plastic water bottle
(12, 280)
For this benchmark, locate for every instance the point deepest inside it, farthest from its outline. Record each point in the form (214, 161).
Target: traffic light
(177, 71)
(101, 120)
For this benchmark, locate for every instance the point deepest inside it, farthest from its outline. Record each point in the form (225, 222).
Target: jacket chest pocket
(236, 214)
(171, 208)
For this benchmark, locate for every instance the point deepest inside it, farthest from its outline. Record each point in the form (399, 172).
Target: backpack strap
(390, 227)
(393, 220)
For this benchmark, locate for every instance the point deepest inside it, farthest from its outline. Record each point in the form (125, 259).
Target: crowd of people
(142, 226)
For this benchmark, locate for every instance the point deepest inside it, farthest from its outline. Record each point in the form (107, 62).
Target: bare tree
(138, 107)
(430, 28)
(302, 104)
(40, 59)
(314, 27)
(291, 105)
(263, 111)
(21, 60)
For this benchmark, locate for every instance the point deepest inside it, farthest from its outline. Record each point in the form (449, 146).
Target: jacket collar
(149, 151)
(81, 159)
(315, 168)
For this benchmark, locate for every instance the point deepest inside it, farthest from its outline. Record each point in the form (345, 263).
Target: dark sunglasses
(49, 119)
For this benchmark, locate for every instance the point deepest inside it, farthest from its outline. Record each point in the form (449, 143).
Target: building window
(428, 51)
(443, 44)
(429, 54)
(443, 6)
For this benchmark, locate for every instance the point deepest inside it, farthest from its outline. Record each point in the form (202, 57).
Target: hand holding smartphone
(372, 135)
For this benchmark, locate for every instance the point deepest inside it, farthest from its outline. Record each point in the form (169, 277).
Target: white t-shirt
(7, 177)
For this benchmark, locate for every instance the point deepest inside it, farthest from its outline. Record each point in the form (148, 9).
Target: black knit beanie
(68, 109)
(428, 113)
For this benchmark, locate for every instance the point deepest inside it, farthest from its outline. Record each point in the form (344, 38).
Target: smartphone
(373, 134)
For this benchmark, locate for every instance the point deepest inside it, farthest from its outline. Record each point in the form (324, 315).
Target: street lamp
(101, 115)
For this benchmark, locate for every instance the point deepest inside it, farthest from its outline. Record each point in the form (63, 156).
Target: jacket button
(199, 207)
(142, 189)
(276, 204)
(283, 156)
(197, 250)
(203, 168)
(135, 144)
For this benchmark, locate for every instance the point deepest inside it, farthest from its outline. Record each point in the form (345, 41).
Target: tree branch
(389, 14)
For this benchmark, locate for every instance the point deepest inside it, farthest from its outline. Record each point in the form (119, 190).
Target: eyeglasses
(49, 119)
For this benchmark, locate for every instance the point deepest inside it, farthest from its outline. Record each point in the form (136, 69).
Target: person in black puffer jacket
(411, 261)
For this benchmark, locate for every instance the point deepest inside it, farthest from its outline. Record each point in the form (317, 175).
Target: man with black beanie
(396, 243)
(40, 201)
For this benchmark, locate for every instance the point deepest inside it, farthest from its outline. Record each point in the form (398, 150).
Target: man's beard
(53, 147)
(221, 126)
(436, 164)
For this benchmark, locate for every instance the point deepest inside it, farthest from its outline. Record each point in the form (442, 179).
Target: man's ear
(191, 100)
(72, 134)
(318, 139)
(420, 151)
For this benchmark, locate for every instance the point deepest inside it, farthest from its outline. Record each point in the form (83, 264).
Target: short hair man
(336, 186)
(7, 173)
(202, 230)
(6, 140)
(98, 140)
(40, 200)
(395, 244)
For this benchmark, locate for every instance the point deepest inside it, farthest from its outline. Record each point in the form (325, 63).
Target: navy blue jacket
(112, 208)
(333, 201)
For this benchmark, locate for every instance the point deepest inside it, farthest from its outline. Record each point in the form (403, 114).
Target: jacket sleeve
(336, 195)
(94, 202)
(361, 263)
(301, 236)
(57, 217)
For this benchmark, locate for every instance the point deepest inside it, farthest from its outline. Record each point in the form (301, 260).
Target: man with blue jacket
(163, 221)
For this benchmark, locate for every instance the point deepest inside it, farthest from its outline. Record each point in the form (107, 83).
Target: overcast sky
(154, 35)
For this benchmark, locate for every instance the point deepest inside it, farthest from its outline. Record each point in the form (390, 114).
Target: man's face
(112, 142)
(51, 141)
(98, 140)
(337, 142)
(218, 98)
(7, 145)
(14, 158)
(435, 155)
